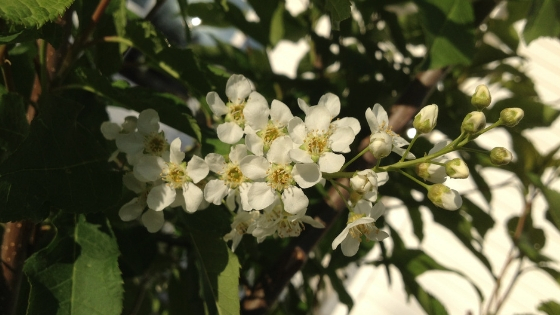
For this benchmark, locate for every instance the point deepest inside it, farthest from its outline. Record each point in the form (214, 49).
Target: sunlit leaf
(449, 32)
(542, 20)
(549, 307)
(33, 12)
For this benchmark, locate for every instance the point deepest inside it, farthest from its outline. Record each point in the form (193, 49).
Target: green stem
(416, 136)
(354, 158)
(415, 179)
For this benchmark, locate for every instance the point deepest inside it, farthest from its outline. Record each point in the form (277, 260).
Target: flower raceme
(275, 157)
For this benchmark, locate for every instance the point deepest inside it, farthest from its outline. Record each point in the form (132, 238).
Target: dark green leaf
(550, 307)
(531, 240)
(13, 122)
(555, 274)
(339, 10)
(184, 291)
(58, 165)
(552, 198)
(480, 219)
(77, 273)
(340, 289)
(417, 222)
(33, 12)
(219, 267)
(449, 32)
(542, 20)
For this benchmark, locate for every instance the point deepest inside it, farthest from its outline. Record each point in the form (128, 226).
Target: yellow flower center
(269, 134)
(232, 176)
(235, 113)
(279, 177)
(360, 229)
(316, 144)
(155, 143)
(176, 174)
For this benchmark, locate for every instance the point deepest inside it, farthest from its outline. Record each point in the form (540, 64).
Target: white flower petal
(110, 130)
(314, 223)
(254, 143)
(341, 139)
(244, 196)
(280, 114)
(131, 210)
(400, 151)
(256, 111)
(153, 220)
(351, 122)
(300, 156)
(331, 102)
(237, 153)
(215, 162)
(340, 238)
(294, 200)
(254, 167)
(193, 196)
(161, 197)
(377, 234)
(132, 183)
(318, 119)
(330, 162)
(303, 105)
(297, 131)
(377, 211)
(216, 104)
(350, 246)
(306, 174)
(279, 149)
(149, 167)
(261, 196)
(452, 200)
(382, 178)
(381, 115)
(197, 169)
(175, 154)
(237, 88)
(215, 190)
(130, 143)
(148, 122)
(372, 121)
(229, 132)
(363, 207)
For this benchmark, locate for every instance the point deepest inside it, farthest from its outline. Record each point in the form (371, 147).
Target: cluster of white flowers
(275, 156)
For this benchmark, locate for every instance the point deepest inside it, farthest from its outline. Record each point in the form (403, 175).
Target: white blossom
(231, 181)
(317, 139)
(243, 223)
(263, 132)
(432, 172)
(365, 183)
(360, 222)
(276, 175)
(378, 121)
(242, 108)
(177, 177)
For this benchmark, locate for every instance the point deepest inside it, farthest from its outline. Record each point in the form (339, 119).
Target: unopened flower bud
(500, 156)
(511, 116)
(445, 197)
(481, 97)
(457, 168)
(363, 181)
(431, 172)
(426, 119)
(474, 122)
(380, 144)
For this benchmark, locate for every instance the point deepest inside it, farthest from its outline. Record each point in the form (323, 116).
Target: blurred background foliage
(176, 51)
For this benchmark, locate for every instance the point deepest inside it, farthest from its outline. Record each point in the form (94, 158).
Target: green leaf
(13, 123)
(550, 307)
(449, 32)
(340, 289)
(59, 165)
(339, 10)
(537, 114)
(555, 274)
(542, 20)
(531, 240)
(77, 273)
(277, 25)
(552, 198)
(171, 109)
(218, 266)
(33, 12)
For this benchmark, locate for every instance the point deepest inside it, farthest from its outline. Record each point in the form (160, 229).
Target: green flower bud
(445, 197)
(457, 168)
(474, 122)
(500, 156)
(511, 116)
(426, 119)
(481, 97)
